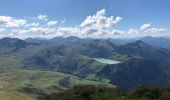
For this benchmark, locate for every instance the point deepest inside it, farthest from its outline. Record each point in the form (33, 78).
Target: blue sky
(70, 14)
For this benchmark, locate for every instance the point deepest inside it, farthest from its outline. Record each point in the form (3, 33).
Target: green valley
(17, 84)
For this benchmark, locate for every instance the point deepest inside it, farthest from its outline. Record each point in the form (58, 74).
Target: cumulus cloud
(51, 23)
(100, 20)
(42, 17)
(67, 31)
(22, 28)
(32, 25)
(36, 32)
(8, 22)
(133, 31)
(42, 30)
(95, 26)
(117, 32)
(147, 28)
(98, 25)
(157, 30)
(118, 19)
(2, 30)
(19, 33)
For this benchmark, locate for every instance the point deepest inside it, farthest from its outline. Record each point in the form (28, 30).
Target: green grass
(13, 80)
(15, 96)
(10, 61)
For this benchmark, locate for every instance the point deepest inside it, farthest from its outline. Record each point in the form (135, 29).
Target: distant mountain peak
(11, 39)
(13, 42)
(161, 42)
(137, 44)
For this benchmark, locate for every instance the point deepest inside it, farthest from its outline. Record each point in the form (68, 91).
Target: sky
(84, 18)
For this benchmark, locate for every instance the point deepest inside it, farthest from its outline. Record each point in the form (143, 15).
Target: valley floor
(20, 84)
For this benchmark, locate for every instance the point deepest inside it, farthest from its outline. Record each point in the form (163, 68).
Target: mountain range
(141, 61)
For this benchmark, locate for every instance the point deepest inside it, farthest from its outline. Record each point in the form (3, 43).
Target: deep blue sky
(133, 12)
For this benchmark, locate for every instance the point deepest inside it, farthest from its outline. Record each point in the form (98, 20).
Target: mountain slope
(9, 45)
(147, 65)
(137, 71)
(140, 62)
(63, 59)
(141, 49)
(96, 48)
(161, 42)
(58, 40)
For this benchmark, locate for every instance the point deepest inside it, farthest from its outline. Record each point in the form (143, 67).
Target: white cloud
(35, 32)
(133, 31)
(118, 19)
(42, 30)
(37, 26)
(67, 31)
(42, 17)
(101, 12)
(32, 25)
(51, 23)
(9, 22)
(99, 20)
(147, 28)
(19, 33)
(95, 26)
(117, 32)
(98, 25)
(157, 30)
(2, 29)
